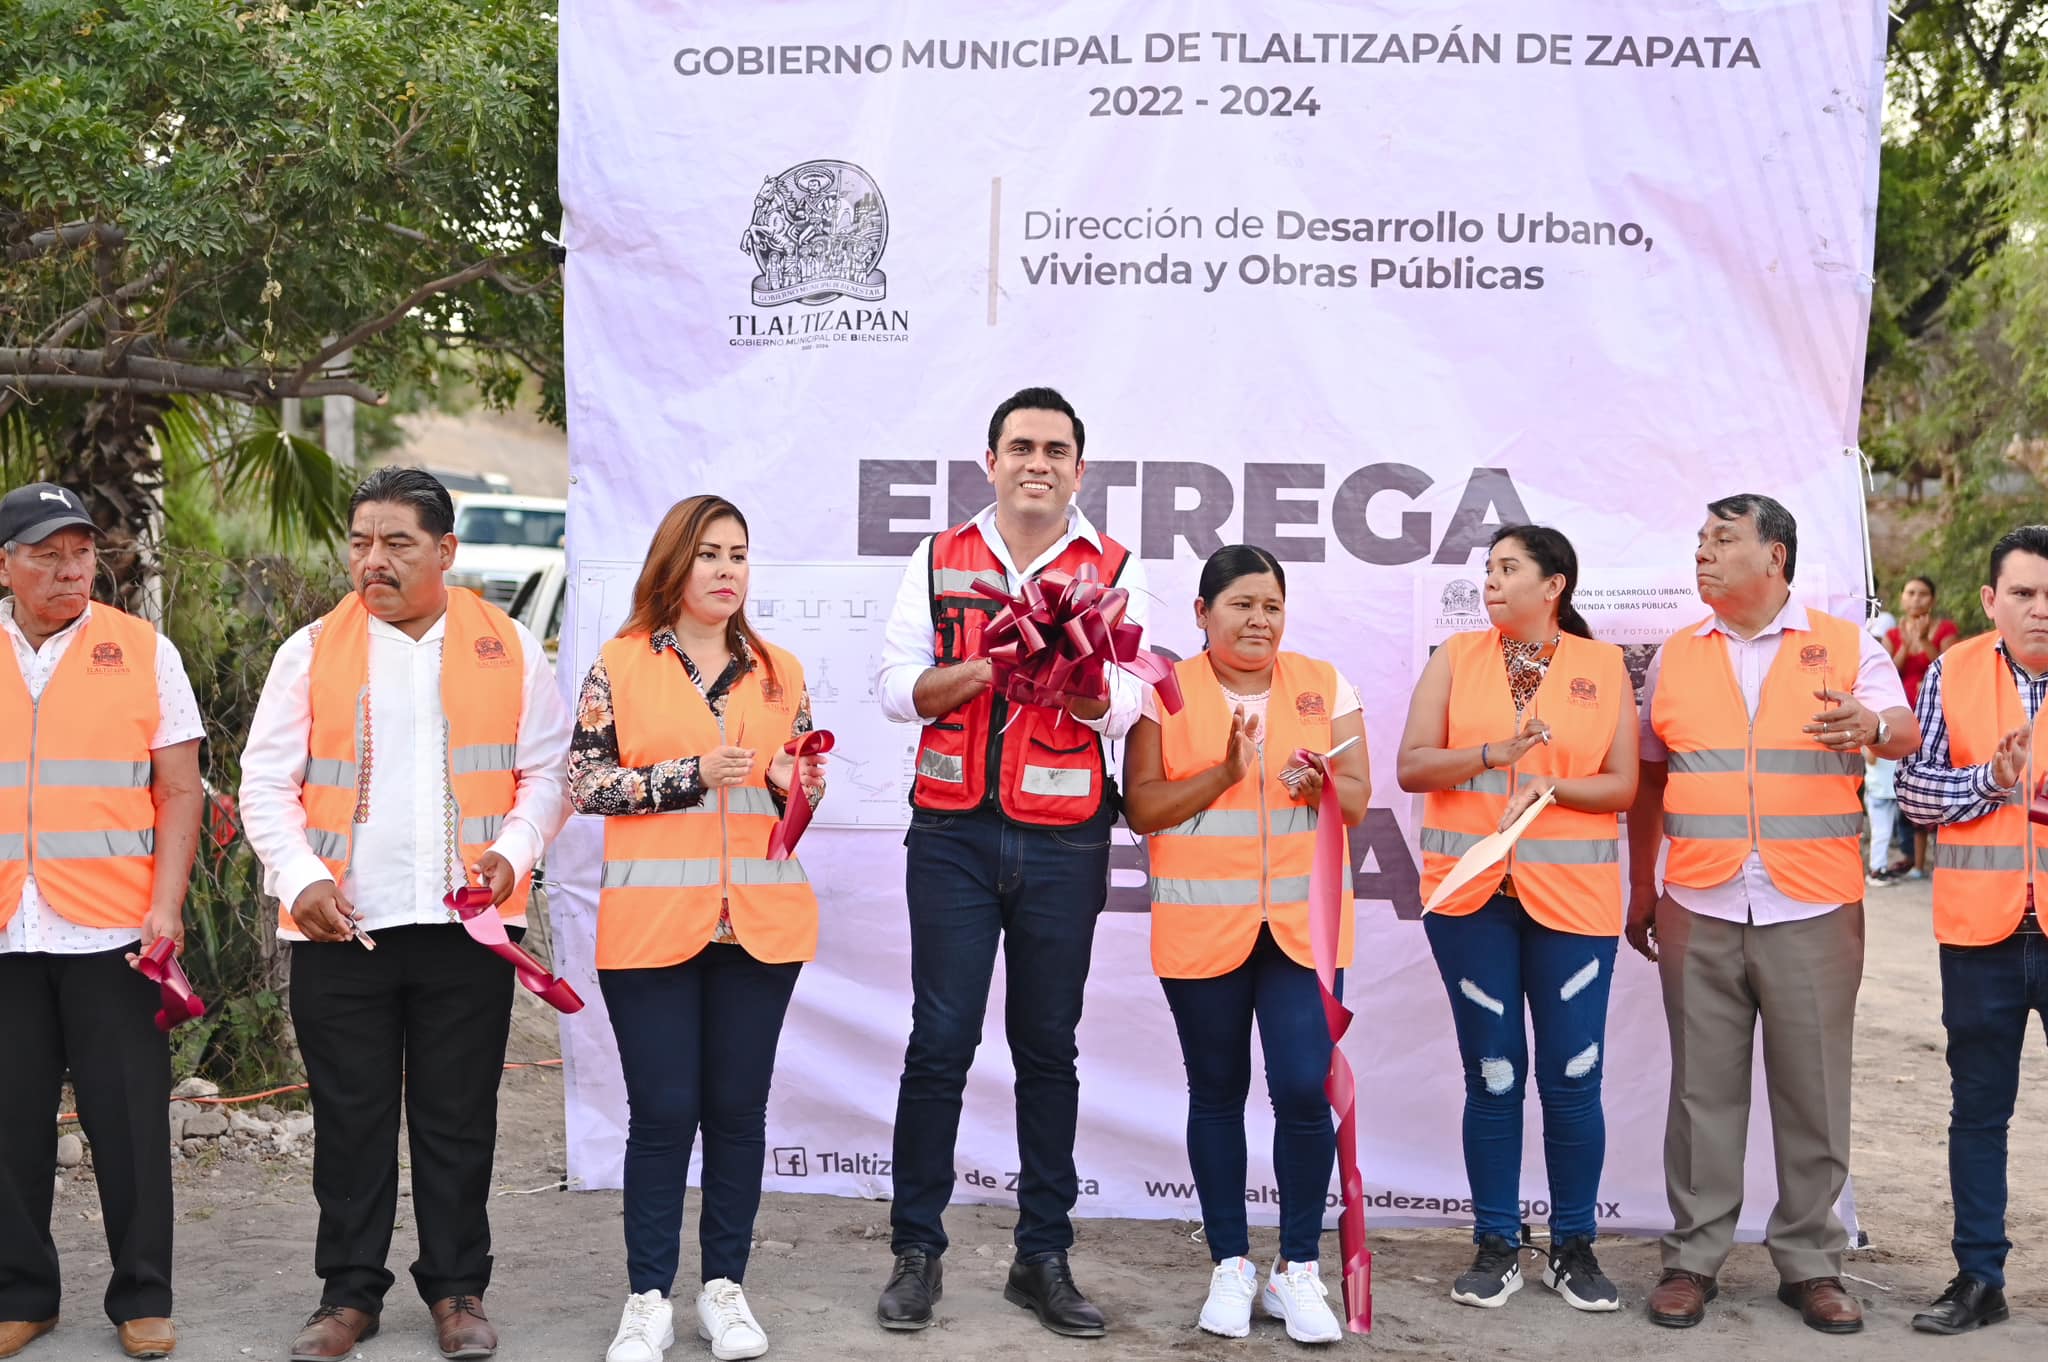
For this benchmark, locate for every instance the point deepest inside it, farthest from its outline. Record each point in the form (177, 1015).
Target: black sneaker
(1574, 1273)
(1495, 1275)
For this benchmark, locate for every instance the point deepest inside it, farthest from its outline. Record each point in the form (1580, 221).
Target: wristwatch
(1884, 732)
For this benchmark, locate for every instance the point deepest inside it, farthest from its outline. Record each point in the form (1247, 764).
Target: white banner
(1356, 282)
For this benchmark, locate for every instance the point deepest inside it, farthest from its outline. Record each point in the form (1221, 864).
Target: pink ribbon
(472, 903)
(1325, 926)
(796, 810)
(159, 964)
(1055, 639)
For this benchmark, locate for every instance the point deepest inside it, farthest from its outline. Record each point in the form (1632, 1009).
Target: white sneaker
(1299, 1297)
(1233, 1286)
(646, 1329)
(725, 1322)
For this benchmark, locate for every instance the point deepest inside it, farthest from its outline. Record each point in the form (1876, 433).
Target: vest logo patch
(1814, 655)
(491, 652)
(771, 691)
(107, 657)
(1310, 705)
(1584, 692)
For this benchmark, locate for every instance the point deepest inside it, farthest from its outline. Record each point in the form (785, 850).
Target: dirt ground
(245, 1244)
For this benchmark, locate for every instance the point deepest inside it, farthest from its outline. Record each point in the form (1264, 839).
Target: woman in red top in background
(1915, 641)
(1920, 636)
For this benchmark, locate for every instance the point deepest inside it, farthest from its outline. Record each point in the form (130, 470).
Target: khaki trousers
(1720, 978)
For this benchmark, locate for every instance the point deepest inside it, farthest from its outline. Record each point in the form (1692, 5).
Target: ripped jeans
(1492, 960)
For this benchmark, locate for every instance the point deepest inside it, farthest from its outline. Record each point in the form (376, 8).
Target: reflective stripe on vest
(75, 769)
(486, 756)
(74, 773)
(325, 771)
(1567, 864)
(1984, 869)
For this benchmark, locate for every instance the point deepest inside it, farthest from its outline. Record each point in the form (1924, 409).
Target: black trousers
(93, 1015)
(423, 1017)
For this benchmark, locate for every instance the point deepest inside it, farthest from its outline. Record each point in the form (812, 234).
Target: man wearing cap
(100, 800)
(1755, 721)
(408, 742)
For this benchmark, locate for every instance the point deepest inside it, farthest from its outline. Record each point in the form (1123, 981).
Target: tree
(222, 203)
(1956, 391)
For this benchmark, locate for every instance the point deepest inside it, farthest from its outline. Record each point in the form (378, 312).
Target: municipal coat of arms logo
(1461, 597)
(817, 233)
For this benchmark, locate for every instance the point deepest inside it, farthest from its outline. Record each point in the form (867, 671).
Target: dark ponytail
(1554, 557)
(1233, 561)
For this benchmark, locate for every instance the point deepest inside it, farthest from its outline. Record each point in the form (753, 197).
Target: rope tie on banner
(1325, 919)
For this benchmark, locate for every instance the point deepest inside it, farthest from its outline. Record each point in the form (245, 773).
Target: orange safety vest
(1983, 868)
(75, 807)
(666, 874)
(483, 675)
(1050, 765)
(1739, 784)
(1245, 858)
(1567, 865)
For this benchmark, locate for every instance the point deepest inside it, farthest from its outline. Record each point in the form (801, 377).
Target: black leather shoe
(1967, 1304)
(914, 1284)
(1044, 1285)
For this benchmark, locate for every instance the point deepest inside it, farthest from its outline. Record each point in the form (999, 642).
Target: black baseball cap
(31, 514)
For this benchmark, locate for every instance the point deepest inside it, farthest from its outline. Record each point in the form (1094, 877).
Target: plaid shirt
(1932, 791)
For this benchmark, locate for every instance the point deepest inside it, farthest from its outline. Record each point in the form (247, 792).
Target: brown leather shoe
(16, 1334)
(1824, 1303)
(1680, 1300)
(153, 1336)
(463, 1329)
(332, 1332)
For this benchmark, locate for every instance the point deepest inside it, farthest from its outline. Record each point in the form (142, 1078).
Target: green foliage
(1957, 383)
(234, 190)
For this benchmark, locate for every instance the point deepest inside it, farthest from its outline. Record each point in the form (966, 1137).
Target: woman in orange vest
(1232, 824)
(1501, 716)
(700, 935)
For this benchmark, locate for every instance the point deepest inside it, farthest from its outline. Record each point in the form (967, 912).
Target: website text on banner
(1356, 282)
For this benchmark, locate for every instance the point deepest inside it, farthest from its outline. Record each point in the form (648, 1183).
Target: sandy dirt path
(245, 1240)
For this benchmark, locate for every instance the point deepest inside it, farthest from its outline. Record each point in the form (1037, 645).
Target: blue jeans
(1491, 961)
(1987, 993)
(697, 1045)
(1214, 1017)
(974, 880)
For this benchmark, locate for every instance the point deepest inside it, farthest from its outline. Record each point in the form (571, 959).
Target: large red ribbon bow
(1325, 925)
(472, 903)
(796, 813)
(159, 964)
(1054, 640)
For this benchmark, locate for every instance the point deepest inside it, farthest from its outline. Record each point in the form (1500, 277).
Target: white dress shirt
(398, 866)
(907, 651)
(37, 926)
(1749, 895)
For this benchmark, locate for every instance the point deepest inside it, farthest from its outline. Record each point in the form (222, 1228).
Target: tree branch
(377, 326)
(74, 323)
(64, 238)
(35, 369)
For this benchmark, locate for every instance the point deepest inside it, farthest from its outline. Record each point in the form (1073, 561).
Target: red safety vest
(1049, 764)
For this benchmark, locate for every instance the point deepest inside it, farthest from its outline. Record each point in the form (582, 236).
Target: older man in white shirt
(100, 799)
(408, 743)
(1754, 725)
